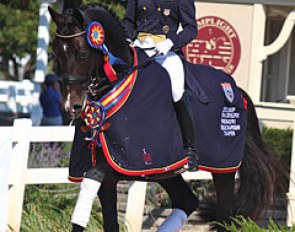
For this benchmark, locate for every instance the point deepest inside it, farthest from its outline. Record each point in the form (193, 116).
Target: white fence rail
(18, 175)
(16, 96)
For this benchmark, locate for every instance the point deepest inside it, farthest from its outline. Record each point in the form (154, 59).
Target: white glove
(129, 41)
(164, 47)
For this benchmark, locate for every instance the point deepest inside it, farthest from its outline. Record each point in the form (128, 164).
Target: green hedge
(280, 141)
(48, 208)
(248, 225)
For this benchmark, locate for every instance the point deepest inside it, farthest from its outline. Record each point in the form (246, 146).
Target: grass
(248, 225)
(48, 208)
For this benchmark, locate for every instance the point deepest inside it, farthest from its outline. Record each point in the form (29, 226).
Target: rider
(167, 26)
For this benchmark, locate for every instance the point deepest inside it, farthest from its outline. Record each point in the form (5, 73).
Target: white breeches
(173, 65)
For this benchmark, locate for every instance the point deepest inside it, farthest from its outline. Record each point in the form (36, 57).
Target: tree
(19, 31)
(18, 35)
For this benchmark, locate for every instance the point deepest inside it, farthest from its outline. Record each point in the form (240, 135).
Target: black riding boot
(185, 120)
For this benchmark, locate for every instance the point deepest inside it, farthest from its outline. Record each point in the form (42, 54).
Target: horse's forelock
(70, 21)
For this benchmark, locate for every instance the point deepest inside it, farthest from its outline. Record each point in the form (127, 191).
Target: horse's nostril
(77, 107)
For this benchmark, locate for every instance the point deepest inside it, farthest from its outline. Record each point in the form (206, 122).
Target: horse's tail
(262, 177)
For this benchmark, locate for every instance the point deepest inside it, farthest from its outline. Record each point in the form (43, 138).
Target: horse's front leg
(183, 201)
(88, 191)
(108, 198)
(224, 187)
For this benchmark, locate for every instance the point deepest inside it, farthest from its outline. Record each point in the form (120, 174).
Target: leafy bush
(49, 208)
(248, 225)
(49, 154)
(280, 141)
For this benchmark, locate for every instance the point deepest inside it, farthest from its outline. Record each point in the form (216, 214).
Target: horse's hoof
(77, 228)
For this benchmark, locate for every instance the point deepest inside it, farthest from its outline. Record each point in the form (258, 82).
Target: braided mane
(70, 17)
(101, 7)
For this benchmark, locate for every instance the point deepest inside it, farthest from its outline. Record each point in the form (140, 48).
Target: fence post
(18, 169)
(5, 155)
(135, 206)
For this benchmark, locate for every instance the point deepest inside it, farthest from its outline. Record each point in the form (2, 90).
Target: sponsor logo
(217, 45)
(228, 91)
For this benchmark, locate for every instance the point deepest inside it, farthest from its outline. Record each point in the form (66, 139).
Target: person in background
(50, 99)
(156, 24)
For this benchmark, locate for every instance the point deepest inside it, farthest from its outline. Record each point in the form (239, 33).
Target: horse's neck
(115, 38)
(119, 47)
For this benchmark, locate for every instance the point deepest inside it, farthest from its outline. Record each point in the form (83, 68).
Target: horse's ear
(56, 17)
(81, 17)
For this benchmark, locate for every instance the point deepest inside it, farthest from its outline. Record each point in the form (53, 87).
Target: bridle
(93, 82)
(110, 81)
(79, 79)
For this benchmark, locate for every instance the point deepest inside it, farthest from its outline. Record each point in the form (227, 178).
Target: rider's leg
(185, 119)
(88, 191)
(173, 64)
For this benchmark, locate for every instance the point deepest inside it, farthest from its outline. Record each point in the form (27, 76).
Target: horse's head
(82, 64)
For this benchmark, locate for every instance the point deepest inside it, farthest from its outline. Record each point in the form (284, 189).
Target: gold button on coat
(165, 29)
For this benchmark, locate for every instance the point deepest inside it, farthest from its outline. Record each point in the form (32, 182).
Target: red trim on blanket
(75, 179)
(220, 170)
(143, 172)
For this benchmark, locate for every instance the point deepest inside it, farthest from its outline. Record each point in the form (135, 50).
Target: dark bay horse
(124, 115)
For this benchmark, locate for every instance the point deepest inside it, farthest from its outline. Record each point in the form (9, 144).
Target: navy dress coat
(162, 17)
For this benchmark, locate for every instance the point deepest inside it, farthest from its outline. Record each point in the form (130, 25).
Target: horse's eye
(83, 55)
